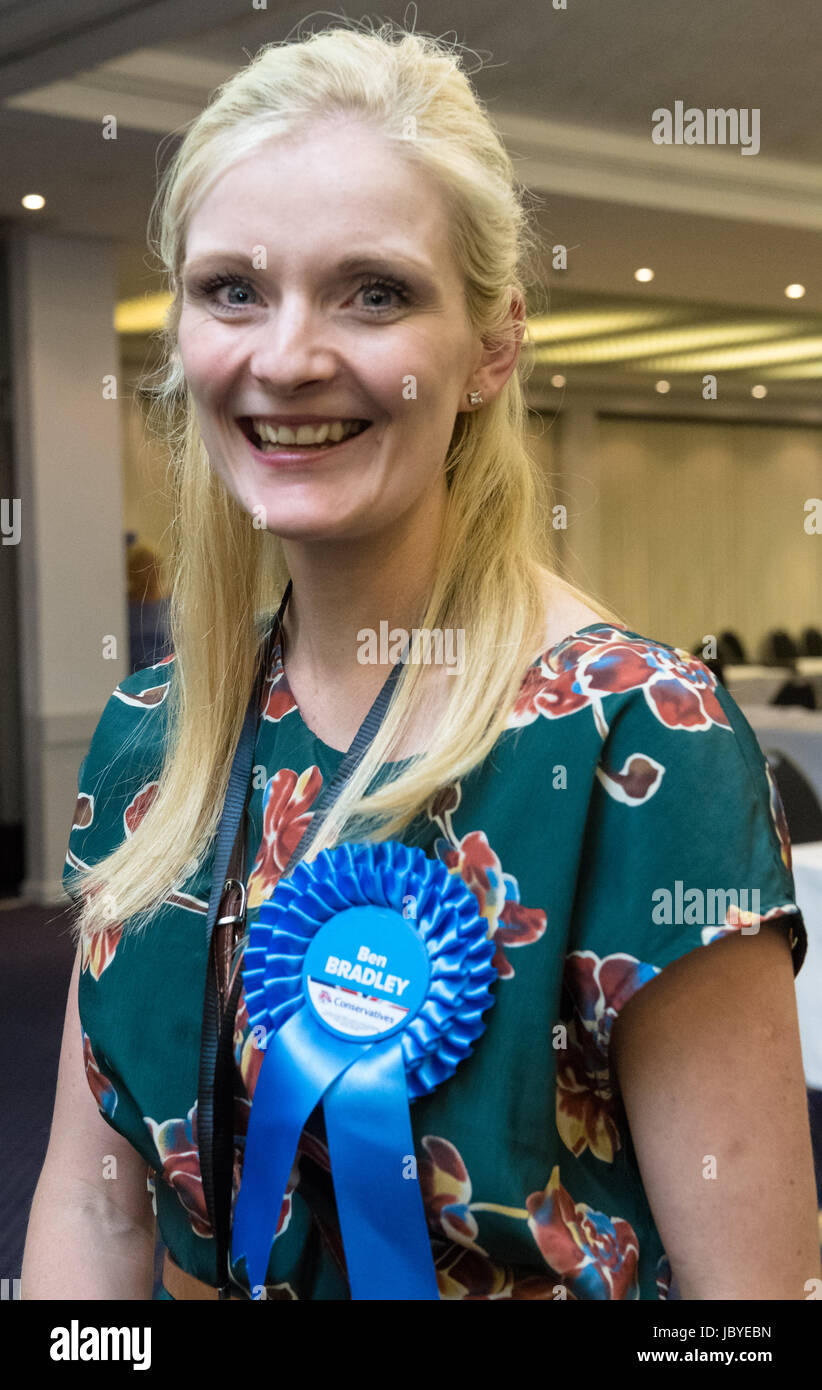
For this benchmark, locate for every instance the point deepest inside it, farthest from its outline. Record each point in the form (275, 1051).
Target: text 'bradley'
(359, 973)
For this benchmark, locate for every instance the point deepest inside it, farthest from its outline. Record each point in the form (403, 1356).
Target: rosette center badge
(367, 975)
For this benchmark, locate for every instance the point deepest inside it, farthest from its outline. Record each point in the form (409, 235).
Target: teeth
(307, 434)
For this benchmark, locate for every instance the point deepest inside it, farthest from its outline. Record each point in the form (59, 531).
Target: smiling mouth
(307, 437)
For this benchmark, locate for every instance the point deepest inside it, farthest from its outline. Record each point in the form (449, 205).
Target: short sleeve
(118, 775)
(685, 842)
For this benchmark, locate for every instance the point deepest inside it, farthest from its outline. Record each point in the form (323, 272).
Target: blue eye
(207, 289)
(386, 283)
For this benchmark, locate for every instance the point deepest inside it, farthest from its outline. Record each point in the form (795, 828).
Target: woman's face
(336, 298)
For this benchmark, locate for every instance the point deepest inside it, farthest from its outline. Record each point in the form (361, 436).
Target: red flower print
(594, 991)
(596, 1254)
(83, 812)
(286, 802)
(779, 819)
(97, 954)
(464, 1270)
(138, 806)
(737, 917)
(150, 698)
(446, 1191)
(101, 1088)
(442, 806)
(586, 1108)
(176, 1143)
(277, 700)
(497, 893)
(637, 780)
(579, 672)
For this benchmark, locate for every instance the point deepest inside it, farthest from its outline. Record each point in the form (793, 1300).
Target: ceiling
(572, 90)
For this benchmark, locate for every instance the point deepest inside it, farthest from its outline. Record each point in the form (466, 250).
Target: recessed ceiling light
(558, 380)
(663, 387)
(759, 392)
(794, 291)
(33, 201)
(644, 274)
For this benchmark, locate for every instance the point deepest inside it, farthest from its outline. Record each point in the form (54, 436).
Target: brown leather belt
(184, 1286)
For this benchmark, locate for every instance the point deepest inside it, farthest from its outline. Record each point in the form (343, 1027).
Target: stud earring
(475, 397)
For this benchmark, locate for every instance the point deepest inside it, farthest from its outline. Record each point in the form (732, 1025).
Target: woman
(346, 243)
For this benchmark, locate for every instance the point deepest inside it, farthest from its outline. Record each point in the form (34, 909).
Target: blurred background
(676, 394)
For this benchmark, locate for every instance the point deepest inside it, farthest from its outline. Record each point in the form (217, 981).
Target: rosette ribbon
(369, 969)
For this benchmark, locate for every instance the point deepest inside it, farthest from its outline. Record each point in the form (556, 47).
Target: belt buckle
(230, 918)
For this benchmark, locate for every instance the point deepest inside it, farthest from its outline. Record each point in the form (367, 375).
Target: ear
(499, 358)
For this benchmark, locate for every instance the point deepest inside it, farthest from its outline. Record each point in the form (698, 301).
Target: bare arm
(88, 1236)
(708, 1059)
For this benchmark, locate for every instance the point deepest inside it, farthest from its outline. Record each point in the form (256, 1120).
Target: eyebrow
(349, 265)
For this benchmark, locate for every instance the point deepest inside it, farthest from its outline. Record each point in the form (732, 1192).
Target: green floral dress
(625, 817)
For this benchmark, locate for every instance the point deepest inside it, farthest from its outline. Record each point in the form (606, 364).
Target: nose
(292, 346)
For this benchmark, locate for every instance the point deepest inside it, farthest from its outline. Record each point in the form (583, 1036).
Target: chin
(310, 526)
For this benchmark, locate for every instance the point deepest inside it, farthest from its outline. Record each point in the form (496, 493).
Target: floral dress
(618, 823)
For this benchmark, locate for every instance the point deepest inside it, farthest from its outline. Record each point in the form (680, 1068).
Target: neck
(339, 588)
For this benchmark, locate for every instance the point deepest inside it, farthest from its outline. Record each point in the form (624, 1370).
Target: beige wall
(687, 528)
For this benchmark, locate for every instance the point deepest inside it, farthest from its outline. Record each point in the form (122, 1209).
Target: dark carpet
(36, 955)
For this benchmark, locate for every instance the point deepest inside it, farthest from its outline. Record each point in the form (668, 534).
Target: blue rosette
(366, 976)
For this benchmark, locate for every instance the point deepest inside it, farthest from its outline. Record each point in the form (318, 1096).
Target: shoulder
(564, 613)
(148, 687)
(656, 716)
(587, 656)
(129, 735)
(143, 690)
(608, 669)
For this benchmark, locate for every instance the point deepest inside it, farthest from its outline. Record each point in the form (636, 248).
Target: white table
(807, 872)
(755, 685)
(794, 731)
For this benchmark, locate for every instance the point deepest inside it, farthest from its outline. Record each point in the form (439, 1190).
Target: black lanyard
(215, 1102)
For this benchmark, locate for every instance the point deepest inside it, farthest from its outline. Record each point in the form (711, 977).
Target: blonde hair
(228, 576)
(143, 571)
